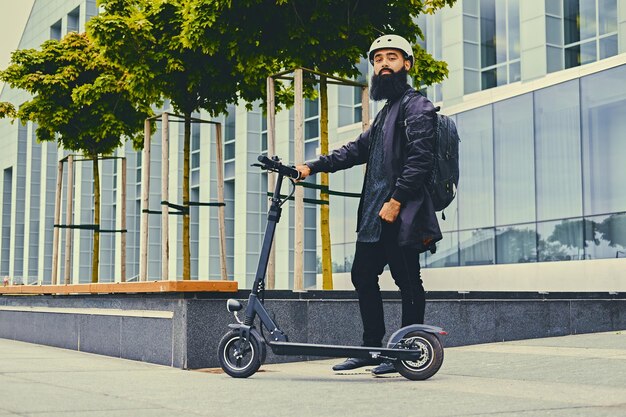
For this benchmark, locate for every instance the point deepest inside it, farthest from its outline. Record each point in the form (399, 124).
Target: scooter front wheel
(431, 355)
(240, 359)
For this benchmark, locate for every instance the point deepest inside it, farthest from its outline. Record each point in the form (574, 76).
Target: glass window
(515, 72)
(585, 30)
(608, 46)
(489, 41)
(471, 81)
(606, 236)
(513, 29)
(476, 247)
(555, 59)
(554, 31)
(603, 98)
(311, 129)
(607, 16)
(553, 7)
(588, 52)
(55, 31)
(447, 252)
(73, 20)
(470, 28)
(475, 194)
(311, 108)
(7, 188)
(557, 142)
(560, 240)
(516, 244)
(470, 7)
(514, 160)
(587, 19)
(470, 55)
(570, 21)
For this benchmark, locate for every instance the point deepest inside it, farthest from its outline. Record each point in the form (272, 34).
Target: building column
(452, 53)
(533, 39)
(621, 27)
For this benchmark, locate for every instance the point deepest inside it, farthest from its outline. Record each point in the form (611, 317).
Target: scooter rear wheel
(240, 361)
(430, 359)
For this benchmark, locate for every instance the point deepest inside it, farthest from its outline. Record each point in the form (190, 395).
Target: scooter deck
(334, 351)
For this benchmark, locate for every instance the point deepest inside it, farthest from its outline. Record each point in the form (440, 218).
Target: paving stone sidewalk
(581, 375)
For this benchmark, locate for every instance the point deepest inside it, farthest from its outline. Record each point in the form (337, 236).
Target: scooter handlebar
(276, 166)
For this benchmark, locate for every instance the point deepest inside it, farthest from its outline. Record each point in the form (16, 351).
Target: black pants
(369, 262)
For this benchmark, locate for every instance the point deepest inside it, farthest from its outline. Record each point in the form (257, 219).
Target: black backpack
(444, 177)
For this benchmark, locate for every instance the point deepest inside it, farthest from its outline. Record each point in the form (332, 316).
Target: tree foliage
(330, 36)
(79, 99)
(144, 36)
(77, 96)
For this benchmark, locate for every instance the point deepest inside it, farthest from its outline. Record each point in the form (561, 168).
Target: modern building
(537, 89)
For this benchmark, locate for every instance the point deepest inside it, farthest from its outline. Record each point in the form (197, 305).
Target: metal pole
(57, 231)
(165, 196)
(221, 210)
(68, 218)
(123, 224)
(298, 270)
(145, 194)
(271, 178)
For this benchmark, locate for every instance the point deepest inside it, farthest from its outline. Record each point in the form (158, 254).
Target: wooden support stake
(68, 219)
(271, 177)
(123, 224)
(327, 270)
(145, 197)
(57, 231)
(165, 196)
(221, 210)
(365, 108)
(298, 263)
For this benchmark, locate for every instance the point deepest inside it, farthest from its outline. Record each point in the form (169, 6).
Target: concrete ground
(581, 375)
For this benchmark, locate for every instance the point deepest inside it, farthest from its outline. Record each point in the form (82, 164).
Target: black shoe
(384, 368)
(353, 363)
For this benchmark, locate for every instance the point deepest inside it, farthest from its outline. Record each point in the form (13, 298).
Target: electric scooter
(416, 351)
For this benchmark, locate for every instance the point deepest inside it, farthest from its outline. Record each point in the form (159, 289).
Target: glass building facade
(540, 177)
(537, 89)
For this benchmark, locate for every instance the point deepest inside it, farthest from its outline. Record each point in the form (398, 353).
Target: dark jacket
(408, 159)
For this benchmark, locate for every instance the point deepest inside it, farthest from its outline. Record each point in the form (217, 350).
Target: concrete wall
(184, 331)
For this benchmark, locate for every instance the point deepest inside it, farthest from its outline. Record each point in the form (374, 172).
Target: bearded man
(396, 218)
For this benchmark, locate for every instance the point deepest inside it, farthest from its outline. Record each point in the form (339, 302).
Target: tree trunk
(186, 238)
(327, 263)
(95, 258)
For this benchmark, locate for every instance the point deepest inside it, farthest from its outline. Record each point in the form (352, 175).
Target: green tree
(144, 37)
(78, 99)
(327, 36)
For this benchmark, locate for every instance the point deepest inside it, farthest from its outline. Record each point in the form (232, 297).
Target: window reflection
(557, 141)
(477, 247)
(514, 160)
(447, 252)
(475, 194)
(516, 244)
(603, 98)
(561, 240)
(607, 235)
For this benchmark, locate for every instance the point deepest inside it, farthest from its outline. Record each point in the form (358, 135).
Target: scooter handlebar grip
(278, 167)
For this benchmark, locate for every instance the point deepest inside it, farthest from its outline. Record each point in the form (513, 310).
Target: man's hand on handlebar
(304, 170)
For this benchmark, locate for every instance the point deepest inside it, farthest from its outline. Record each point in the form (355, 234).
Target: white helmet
(393, 42)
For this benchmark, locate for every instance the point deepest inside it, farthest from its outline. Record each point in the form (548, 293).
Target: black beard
(388, 86)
